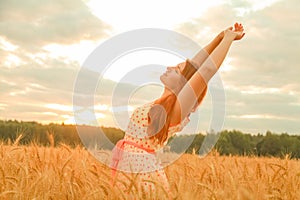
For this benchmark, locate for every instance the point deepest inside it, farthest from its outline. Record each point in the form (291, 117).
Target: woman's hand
(238, 31)
(235, 34)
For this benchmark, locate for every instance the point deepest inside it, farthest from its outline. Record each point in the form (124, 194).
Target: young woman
(134, 164)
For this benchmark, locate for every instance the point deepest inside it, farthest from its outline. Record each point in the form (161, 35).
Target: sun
(140, 14)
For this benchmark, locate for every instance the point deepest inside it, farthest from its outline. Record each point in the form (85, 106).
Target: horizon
(180, 133)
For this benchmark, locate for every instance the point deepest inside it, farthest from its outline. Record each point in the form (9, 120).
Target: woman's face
(172, 77)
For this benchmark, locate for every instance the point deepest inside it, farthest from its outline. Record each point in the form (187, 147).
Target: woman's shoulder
(141, 112)
(144, 108)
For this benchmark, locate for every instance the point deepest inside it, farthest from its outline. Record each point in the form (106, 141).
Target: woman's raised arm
(189, 94)
(203, 54)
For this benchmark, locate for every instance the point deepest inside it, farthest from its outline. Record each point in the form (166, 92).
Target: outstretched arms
(190, 92)
(203, 54)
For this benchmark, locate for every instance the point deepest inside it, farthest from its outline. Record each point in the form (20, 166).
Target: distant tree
(224, 145)
(196, 144)
(226, 142)
(270, 145)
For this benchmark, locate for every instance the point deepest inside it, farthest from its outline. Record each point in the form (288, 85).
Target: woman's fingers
(238, 29)
(243, 35)
(230, 28)
(238, 26)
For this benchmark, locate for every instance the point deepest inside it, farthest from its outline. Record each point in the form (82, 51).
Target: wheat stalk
(62, 172)
(16, 142)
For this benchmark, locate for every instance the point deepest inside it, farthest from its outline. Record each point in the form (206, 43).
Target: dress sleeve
(139, 117)
(177, 128)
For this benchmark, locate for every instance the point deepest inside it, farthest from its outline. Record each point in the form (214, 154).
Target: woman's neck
(165, 93)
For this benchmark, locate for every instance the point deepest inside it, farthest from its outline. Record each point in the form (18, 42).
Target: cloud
(262, 85)
(264, 77)
(34, 92)
(31, 77)
(33, 24)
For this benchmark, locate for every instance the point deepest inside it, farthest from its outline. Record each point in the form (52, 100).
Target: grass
(34, 172)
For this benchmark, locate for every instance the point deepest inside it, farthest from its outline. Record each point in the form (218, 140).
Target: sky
(43, 45)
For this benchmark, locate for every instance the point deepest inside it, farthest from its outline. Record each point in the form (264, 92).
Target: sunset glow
(43, 49)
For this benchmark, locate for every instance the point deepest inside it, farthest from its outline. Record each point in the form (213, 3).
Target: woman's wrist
(229, 35)
(221, 35)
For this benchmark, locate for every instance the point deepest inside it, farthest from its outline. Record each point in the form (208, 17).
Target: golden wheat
(34, 172)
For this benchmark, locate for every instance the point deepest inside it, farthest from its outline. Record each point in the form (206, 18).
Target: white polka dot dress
(137, 161)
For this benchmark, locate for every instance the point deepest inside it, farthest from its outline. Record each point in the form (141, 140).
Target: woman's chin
(161, 78)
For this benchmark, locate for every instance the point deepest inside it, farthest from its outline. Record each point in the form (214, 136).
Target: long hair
(160, 114)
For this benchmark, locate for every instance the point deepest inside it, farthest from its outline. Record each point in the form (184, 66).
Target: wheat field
(35, 172)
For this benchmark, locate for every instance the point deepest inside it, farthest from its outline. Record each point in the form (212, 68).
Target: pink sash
(117, 153)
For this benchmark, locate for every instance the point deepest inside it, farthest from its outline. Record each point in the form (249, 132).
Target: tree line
(226, 142)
